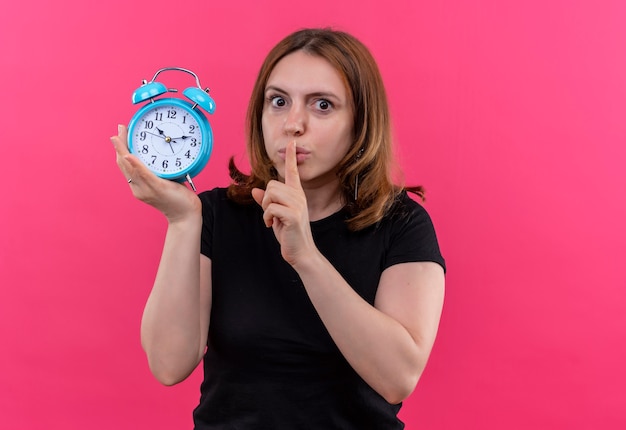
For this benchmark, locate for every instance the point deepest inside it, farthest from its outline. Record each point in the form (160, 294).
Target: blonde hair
(369, 159)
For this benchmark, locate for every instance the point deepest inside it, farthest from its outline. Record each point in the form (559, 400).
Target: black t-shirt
(270, 362)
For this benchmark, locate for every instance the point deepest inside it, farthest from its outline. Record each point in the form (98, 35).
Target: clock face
(166, 137)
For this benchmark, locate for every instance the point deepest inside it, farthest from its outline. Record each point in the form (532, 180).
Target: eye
(277, 101)
(323, 105)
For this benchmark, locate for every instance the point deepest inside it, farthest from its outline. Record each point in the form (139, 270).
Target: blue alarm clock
(172, 136)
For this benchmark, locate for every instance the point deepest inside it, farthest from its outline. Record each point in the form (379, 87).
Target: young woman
(312, 287)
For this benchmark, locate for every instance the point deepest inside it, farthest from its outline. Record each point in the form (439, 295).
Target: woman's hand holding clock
(173, 199)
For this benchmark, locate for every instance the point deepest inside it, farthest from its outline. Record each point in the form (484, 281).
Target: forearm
(171, 329)
(377, 346)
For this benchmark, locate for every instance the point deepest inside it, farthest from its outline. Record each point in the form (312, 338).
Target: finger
(132, 168)
(257, 195)
(121, 152)
(120, 142)
(292, 176)
(134, 163)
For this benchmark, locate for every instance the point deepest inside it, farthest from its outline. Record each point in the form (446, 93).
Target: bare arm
(175, 323)
(388, 344)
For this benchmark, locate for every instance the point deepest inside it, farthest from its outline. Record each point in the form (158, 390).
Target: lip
(301, 154)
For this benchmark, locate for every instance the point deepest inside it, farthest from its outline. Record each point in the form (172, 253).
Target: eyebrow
(324, 94)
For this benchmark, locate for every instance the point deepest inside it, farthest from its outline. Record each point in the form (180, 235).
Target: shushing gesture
(285, 210)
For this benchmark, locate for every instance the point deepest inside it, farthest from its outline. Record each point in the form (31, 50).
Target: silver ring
(130, 180)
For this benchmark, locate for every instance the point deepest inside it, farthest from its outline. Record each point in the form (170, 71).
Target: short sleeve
(208, 200)
(412, 236)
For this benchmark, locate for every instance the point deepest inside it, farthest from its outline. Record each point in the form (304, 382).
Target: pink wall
(511, 113)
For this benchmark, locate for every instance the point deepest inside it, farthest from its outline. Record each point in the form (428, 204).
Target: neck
(323, 201)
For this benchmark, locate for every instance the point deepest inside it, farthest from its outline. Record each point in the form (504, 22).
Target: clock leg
(193, 187)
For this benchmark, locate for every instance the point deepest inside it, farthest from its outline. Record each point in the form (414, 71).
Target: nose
(295, 121)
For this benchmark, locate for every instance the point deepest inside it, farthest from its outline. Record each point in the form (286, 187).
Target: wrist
(185, 211)
(310, 262)
(187, 218)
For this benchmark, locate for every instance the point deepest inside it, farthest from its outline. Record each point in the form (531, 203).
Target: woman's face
(306, 101)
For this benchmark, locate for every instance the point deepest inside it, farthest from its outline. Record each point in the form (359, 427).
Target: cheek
(343, 137)
(265, 128)
(268, 128)
(269, 137)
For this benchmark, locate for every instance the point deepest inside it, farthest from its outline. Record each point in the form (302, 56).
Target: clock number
(178, 162)
(149, 124)
(158, 116)
(144, 149)
(188, 154)
(164, 164)
(192, 129)
(185, 119)
(142, 135)
(154, 158)
(171, 114)
(194, 142)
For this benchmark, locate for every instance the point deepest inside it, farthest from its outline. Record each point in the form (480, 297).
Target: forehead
(302, 72)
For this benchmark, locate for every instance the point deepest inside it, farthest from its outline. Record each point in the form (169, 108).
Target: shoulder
(411, 232)
(213, 202)
(216, 204)
(217, 199)
(213, 196)
(404, 209)
(225, 221)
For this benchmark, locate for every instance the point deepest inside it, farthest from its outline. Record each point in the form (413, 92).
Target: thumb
(257, 195)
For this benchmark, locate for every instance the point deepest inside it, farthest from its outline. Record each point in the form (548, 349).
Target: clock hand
(182, 137)
(154, 134)
(167, 139)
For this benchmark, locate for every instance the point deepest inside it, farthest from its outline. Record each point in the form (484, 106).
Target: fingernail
(120, 128)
